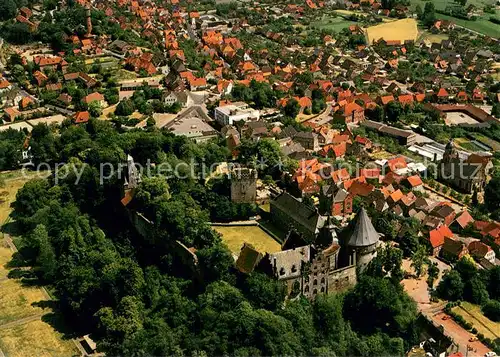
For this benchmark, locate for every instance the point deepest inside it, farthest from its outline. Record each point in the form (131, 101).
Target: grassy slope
(472, 313)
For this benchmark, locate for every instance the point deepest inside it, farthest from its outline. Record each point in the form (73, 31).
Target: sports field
(235, 236)
(404, 29)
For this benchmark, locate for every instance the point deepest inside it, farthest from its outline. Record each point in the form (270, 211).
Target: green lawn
(332, 23)
(235, 236)
(471, 146)
(441, 4)
(481, 25)
(495, 145)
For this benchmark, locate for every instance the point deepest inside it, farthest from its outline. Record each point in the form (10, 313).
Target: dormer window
(294, 268)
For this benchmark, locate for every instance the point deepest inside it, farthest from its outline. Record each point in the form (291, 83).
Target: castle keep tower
(243, 185)
(364, 240)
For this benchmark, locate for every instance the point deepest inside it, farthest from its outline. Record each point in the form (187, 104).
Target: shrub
(492, 310)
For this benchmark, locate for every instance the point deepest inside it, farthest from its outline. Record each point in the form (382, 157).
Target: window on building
(315, 291)
(322, 280)
(307, 289)
(315, 282)
(282, 271)
(294, 268)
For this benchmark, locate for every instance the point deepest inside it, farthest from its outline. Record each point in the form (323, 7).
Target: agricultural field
(404, 29)
(332, 23)
(472, 314)
(235, 236)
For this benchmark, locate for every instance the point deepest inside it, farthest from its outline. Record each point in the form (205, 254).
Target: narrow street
(418, 290)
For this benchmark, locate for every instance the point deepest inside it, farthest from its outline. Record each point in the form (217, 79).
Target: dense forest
(136, 297)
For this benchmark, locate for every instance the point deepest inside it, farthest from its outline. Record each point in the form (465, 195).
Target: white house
(229, 114)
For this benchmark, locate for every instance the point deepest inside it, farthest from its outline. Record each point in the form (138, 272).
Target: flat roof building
(231, 113)
(192, 127)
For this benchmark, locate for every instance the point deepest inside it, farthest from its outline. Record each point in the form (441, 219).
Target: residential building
(308, 140)
(192, 127)
(234, 112)
(479, 250)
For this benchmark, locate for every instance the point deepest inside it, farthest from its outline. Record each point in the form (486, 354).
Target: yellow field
(5, 256)
(16, 300)
(235, 236)
(473, 314)
(404, 29)
(35, 339)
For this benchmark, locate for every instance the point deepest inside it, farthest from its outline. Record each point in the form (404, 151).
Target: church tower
(89, 23)
(450, 153)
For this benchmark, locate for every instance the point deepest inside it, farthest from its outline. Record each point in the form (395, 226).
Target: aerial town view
(250, 178)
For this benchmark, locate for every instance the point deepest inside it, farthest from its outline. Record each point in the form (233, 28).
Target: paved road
(418, 290)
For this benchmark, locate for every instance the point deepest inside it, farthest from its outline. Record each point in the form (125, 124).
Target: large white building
(234, 112)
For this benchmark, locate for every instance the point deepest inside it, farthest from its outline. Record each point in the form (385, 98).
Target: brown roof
(248, 259)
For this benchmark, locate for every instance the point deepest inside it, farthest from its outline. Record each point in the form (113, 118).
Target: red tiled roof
(436, 238)
(93, 97)
(4, 83)
(81, 117)
(370, 173)
(420, 97)
(464, 219)
(397, 163)
(414, 180)
(405, 99)
(387, 99)
(351, 108)
(442, 93)
(340, 175)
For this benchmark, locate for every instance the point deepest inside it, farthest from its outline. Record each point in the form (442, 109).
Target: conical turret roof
(364, 233)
